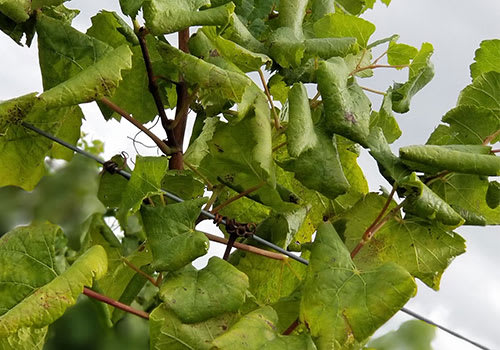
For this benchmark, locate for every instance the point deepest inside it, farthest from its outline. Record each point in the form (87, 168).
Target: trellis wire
(209, 215)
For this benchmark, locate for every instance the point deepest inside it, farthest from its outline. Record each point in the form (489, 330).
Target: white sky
(469, 299)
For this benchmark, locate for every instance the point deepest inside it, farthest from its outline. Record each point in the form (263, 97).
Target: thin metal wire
(428, 321)
(209, 215)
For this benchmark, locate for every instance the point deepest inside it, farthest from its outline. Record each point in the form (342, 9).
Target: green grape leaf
(240, 34)
(384, 119)
(425, 203)
(39, 290)
(420, 74)
(411, 335)
(424, 249)
(343, 305)
(240, 155)
(493, 194)
(278, 88)
(291, 15)
(25, 339)
(163, 18)
(170, 230)
(486, 58)
(119, 276)
(338, 25)
(17, 10)
(64, 51)
(300, 132)
(243, 58)
(467, 192)
(400, 54)
(286, 48)
(444, 158)
(197, 296)
(270, 280)
(228, 84)
(15, 110)
(131, 7)
(112, 186)
(281, 228)
(467, 125)
(92, 83)
(22, 152)
(328, 178)
(17, 30)
(183, 184)
(329, 47)
(257, 330)
(347, 109)
(145, 181)
(482, 92)
(131, 94)
(168, 332)
(348, 154)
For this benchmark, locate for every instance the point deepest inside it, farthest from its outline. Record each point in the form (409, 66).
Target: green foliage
(289, 169)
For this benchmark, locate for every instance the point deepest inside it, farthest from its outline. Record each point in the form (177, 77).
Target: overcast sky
(469, 299)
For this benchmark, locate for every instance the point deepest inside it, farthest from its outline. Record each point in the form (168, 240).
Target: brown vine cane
(234, 229)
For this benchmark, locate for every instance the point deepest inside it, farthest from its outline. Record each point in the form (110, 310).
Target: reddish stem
(292, 327)
(102, 298)
(370, 231)
(182, 108)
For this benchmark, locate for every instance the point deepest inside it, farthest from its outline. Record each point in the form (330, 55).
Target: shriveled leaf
(486, 58)
(411, 335)
(338, 25)
(197, 296)
(39, 290)
(424, 249)
(425, 203)
(347, 109)
(168, 332)
(384, 119)
(444, 158)
(344, 305)
(168, 17)
(228, 84)
(170, 230)
(467, 192)
(420, 74)
(257, 330)
(145, 181)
